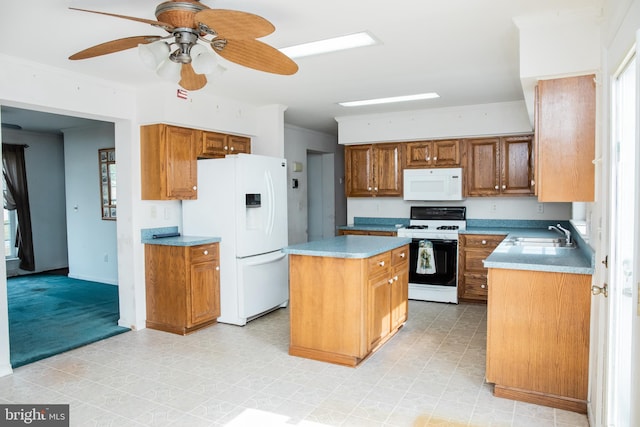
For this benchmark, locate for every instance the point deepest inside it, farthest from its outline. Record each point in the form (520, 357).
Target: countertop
(148, 239)
(578, 260)
(348, 246)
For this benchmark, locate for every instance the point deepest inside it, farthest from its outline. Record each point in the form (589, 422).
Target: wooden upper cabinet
(483, 174)
(565, 136)
(440, 153)
(373, 170)
(168, 162)
(500, 166)
(216, 144)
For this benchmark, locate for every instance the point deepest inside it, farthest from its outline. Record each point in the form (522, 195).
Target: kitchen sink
(549, 242)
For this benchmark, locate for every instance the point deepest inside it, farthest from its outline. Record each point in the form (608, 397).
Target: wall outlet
(540, 208)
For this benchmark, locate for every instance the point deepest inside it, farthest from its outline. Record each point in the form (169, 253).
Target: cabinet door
(483, 167)
(181, 162)
(388, 170)
(399, 294)
(418, 154)
(379, 303)
(358, 170)
(516, 170)
(214, 144)
(204, 295)
(239, 144)
(566, 139)
(446, 153)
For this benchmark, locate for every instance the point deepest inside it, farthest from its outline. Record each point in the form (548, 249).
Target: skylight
(334, 44)
(405, 98)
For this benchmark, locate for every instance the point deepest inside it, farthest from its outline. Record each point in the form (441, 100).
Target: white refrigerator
(243, 200)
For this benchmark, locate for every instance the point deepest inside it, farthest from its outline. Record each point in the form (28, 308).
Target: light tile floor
(430, 374)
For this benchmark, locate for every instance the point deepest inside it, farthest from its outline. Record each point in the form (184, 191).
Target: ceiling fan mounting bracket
(179, 13)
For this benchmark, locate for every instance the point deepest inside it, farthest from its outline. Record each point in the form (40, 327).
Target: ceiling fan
(192, 25)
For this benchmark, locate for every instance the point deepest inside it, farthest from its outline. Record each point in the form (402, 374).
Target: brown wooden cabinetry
(216, 144)
(366, 233)
(565, 139)
(373, 170)
(168, 162)
(342, 309)
(182, 287)
(538, 337)
(439, 153)
(472, 276)
(500, 166)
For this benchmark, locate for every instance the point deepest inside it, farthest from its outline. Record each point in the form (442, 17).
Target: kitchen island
(538, 319)
(348, 295)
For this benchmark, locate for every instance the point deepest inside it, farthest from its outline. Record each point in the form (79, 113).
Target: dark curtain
(16, 197)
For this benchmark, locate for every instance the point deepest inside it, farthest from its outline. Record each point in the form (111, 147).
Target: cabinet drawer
(473, 260)
(379, 264)
(400, 255)
(203, 253)
(482, 241)
(475, 286)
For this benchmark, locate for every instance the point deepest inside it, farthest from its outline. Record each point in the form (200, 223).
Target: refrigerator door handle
(272, 203)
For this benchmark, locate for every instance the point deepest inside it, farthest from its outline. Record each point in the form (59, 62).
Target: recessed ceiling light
(418, 96)
(350, 41)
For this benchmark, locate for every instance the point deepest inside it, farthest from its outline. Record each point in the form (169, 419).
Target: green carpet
(51, 314)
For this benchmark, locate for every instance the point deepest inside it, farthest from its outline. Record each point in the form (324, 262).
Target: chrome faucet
(560, 229)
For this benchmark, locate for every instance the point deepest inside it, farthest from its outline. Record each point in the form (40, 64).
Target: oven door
(445, 254)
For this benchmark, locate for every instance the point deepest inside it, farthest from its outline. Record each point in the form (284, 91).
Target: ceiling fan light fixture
(203, 60)
(152, 54)
(405, 98)
(169, 70)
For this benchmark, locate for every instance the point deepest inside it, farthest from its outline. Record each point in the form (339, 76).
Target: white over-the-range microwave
(433, 184)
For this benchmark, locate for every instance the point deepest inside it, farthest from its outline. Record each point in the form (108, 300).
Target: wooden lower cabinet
(472, 276)
(538, 337)
(343, 309)
(182, 287)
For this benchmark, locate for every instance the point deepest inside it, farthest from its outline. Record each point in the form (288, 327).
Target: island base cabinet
(343, 309)
(538, 337)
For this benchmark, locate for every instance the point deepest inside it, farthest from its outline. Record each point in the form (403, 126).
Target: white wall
(44, 162)
(477, 208)
(92, 256)
(469, 120)
(297, 142)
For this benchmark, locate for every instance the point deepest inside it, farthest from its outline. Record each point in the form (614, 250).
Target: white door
(261, 227)
(623, 248)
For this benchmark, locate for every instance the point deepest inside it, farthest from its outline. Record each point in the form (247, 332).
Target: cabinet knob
(484, 242)
(206, 252)
(391, 281)
(504, 186)
(369, 188)
(483, 286)
(226, 147)
(232, 148)
(402, 255)
(435, 159)
(195, 187)
(375, 188)
(395, 278)
(217, 268)
(381, 263)
(496, 187)
(533, 182)
(428, 158)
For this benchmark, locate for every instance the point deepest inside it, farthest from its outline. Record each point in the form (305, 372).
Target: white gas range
(433, 262)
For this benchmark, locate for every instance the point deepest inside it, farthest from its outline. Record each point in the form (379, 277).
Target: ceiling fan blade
(190, 80)
(114, 46)
(235, 24)
(257, 55)
(164, 25)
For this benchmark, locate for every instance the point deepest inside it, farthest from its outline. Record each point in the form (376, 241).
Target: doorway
(320, 196)
(623, 245)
